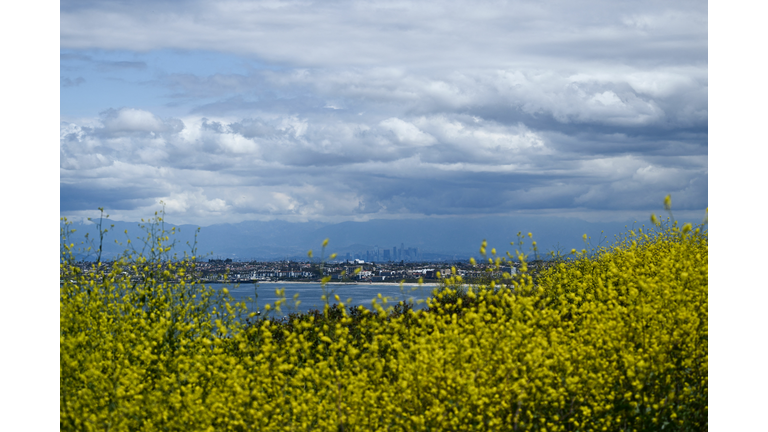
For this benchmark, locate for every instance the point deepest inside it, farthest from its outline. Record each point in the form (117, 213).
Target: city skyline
(419, 239)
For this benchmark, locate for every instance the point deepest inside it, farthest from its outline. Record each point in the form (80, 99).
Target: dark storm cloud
(92, 196)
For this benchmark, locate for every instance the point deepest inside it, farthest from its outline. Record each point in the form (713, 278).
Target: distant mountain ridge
(436, 238)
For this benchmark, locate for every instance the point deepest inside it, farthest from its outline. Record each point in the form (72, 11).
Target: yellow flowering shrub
(615, 340)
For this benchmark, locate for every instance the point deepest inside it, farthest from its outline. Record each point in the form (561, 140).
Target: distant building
(510, 270)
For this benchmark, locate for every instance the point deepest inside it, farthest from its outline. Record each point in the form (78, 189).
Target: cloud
(407, 133)
(69, 56)
(68, 82)
(296, 168)
(436, 34)
(132, 120)
(122, 65)
(661, 99)
(355, 110)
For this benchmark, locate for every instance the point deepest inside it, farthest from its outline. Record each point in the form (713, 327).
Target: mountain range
(437, 239)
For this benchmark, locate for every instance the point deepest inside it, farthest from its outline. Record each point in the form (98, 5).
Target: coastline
(360, 284)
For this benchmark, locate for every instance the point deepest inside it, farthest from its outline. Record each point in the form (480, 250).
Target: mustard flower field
(613, 339)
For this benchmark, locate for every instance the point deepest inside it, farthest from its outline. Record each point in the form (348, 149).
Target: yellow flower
(175, 356)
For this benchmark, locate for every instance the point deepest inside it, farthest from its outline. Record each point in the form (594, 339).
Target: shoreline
(361, 284)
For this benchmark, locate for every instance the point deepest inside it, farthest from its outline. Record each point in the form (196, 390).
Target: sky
(350, 111)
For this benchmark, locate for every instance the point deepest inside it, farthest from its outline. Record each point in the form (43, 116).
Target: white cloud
(194, 201)
(477, 136)
(607, 98)
(293, 125)
(132, 120)
(407, 133)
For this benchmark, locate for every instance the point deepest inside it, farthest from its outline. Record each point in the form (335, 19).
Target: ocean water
(309, 294)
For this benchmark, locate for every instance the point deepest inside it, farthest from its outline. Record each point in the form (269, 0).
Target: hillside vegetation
(615, 340)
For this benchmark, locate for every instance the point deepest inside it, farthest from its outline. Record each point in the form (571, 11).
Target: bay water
(256, 296)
